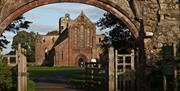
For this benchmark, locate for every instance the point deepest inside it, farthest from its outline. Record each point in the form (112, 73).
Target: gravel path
(54, 82)
(52, 87)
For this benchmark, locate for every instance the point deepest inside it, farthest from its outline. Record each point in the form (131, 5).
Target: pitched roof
(82, 18)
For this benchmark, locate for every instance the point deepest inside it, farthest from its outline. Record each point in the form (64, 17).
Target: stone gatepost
(22, 69)
(111, 70)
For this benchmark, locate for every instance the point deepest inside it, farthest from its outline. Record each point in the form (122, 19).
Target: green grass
(31, 85)
(52, 69)
(37, 71)
(76, 76)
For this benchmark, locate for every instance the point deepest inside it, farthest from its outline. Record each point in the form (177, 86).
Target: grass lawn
(75, 76)
(38, 71)
(31, 85)
(71, 74)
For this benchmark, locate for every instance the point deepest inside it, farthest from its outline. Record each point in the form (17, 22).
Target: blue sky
(45, 18)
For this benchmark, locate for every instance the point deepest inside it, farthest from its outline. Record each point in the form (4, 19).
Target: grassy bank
(74, 76)
(36, 71)
(70, 74)
(31, 85)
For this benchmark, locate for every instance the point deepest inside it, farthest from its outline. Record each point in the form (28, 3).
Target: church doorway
(81, 62)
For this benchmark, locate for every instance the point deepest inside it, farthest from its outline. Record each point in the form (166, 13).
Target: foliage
(105, 44)
(55, 32)
(31, 85)
(119, 34)
(110, 21)
(6, 81)
(3, 42)
(12, 52)
(27, 41)
(16, 25)
(14, 77)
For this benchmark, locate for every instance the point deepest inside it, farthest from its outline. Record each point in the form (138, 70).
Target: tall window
(88, 38)
(75, 39)
(62, 55)
(81, 37)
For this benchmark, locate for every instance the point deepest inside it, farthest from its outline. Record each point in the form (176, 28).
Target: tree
(119, 34)
(55, 32)
(27, 41)
(7, 74)
(6, 81)
(16, 25)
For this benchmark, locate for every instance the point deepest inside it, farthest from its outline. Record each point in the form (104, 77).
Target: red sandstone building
(76, 43)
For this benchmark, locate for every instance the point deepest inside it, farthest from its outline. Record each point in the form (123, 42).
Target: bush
(31, 85)
(6, 77)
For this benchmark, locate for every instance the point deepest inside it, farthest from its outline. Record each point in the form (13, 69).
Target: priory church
(76, 43)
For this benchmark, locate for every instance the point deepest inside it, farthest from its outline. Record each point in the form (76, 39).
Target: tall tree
(119, 34)
(16, 25)
(7, 77)
(27, 41)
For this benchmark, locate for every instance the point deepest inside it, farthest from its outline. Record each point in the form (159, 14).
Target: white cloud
(42, 28)
(68, 7)
(75, 9)
(45, 18)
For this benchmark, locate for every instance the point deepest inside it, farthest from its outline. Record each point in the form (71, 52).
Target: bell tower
(63, 23)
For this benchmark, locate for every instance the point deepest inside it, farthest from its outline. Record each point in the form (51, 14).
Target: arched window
(75, 39)
(81, 37)
(53, 39)
(44, 40)
(88, 38)
(62, 55)
(46, 52)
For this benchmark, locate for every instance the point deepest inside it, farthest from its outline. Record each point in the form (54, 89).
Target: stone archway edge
(106, 5)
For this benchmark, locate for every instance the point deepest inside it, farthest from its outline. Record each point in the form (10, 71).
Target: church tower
(63, 23)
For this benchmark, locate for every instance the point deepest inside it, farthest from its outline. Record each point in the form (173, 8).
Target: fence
(20, 61)
(116, 74)
(124, 72)
(11, 60)
(95, 75)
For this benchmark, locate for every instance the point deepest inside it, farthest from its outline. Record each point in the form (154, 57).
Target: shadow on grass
(71, 76)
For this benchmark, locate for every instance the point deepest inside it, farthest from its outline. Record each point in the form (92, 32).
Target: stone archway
(120, 8)
(156, 15)
(80, 60)
(14, 8)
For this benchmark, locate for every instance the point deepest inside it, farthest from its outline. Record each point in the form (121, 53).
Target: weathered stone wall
(124, 4)
(9, 6)
(43, 43)
(161, 17)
